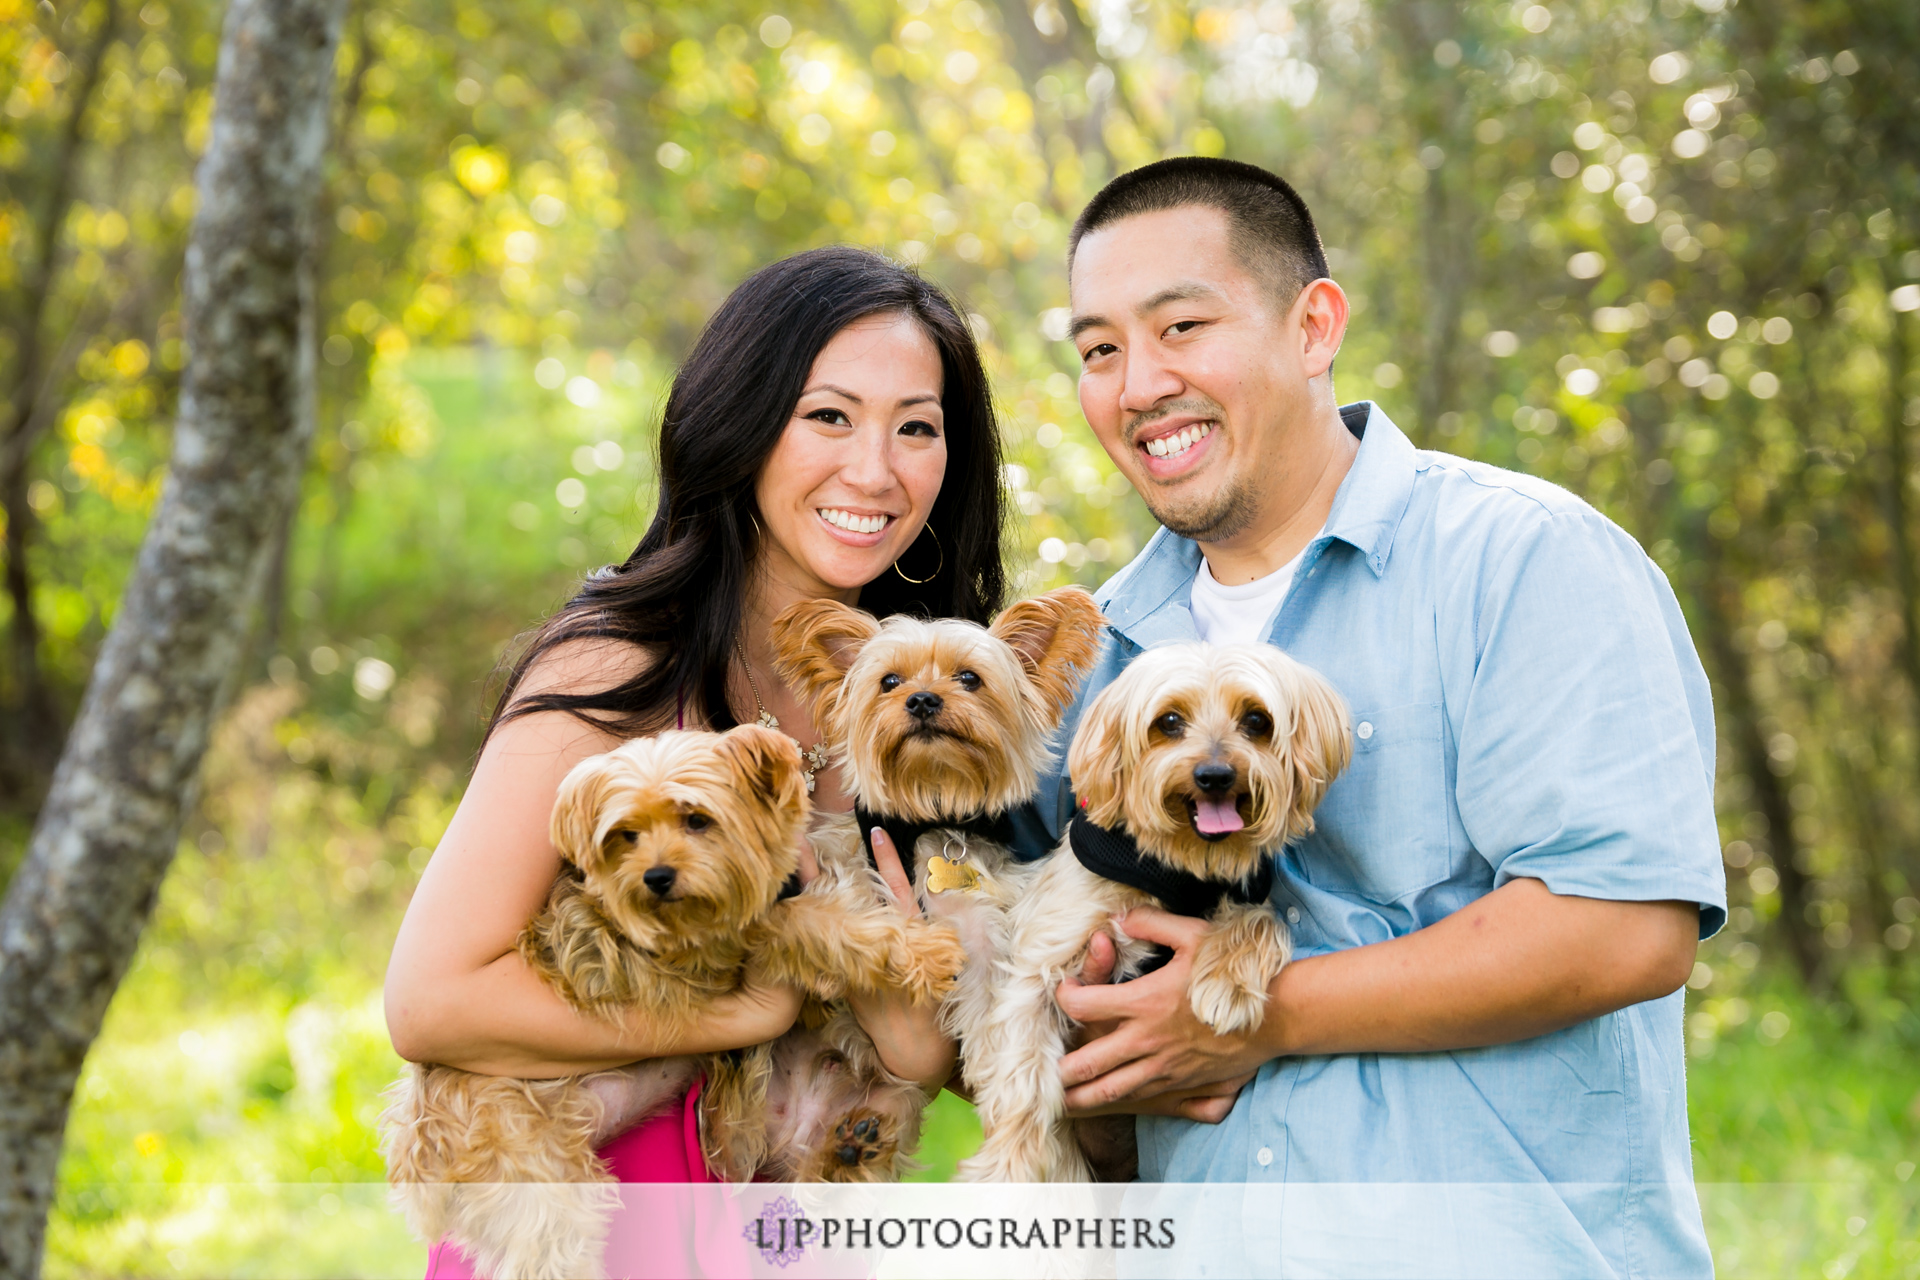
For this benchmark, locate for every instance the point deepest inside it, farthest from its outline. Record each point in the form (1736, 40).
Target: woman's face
(848, 487)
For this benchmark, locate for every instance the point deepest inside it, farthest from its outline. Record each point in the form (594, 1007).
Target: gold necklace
(813, 758)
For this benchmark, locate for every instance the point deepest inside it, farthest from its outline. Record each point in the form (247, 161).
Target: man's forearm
(1519, 962)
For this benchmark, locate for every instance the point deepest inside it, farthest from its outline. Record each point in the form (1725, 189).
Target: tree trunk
(75, 909)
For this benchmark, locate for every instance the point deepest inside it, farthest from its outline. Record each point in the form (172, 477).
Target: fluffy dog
(943, 727)
(1191, 768)
(681, 855)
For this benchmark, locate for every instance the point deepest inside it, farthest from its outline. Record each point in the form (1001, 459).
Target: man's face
(1191, 370)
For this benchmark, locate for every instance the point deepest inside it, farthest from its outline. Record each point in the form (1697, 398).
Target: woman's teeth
(1179, 442)
(852, 523)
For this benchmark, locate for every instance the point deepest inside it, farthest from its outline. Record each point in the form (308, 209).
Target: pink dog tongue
(1216, 817)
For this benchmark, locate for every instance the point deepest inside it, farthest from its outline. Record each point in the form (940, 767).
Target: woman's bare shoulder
(586, 665)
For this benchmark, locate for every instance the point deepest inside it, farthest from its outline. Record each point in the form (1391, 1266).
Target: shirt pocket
(1382, 830)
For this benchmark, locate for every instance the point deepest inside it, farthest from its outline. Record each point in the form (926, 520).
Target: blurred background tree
(1663, 252)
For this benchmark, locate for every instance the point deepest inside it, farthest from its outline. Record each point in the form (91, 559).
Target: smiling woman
(829, 437)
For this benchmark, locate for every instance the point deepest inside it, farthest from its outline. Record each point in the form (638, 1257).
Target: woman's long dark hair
(679, 595)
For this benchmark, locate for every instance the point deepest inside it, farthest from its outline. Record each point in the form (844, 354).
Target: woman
(830, 436)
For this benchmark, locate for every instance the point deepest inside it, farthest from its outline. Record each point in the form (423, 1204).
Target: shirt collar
(1149, 602)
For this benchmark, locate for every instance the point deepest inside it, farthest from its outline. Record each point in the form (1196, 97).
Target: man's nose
(1150, 382)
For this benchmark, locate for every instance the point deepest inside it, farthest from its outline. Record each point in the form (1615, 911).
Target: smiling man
(1504, 890)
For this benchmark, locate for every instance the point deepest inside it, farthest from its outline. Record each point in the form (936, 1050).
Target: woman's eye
(967, 680)
(889, 682)
(832, 417)
(1256, 724)
(1171, 724)
(697, 822)
(919, 427)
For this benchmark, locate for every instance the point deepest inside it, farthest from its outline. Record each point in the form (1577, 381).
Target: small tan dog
(1210, 759)
(944, 726)
(681, 855)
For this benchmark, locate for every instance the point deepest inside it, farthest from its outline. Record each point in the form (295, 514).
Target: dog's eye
(967, 680)
(1171, 724)
(628, 836)
(889, 682)
(1256, 724)
(697, 822)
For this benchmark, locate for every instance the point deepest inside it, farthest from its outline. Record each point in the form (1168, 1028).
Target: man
(1504, 891)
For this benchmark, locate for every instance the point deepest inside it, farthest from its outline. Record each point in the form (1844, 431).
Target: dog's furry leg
(504, 1168)
(733, 1112)
(834, 942)
(1242, 952)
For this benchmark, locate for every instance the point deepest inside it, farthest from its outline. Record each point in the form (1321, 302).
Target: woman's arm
(907, 1036)
(457, 991)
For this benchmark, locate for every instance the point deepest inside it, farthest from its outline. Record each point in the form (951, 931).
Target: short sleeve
(1585, 753)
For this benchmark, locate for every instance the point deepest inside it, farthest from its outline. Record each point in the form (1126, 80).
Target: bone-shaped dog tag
(943, 875)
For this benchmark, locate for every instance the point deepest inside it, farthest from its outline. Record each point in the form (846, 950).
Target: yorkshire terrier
(680, 881)
(944, 726)
(1192, 769)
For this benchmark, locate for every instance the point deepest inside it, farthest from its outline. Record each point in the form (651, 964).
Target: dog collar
(1113, 855)
(905, 834)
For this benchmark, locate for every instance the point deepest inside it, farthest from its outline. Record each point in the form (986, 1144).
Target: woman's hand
(907, 1036)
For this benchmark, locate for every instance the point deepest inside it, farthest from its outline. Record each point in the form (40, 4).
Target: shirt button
(1293, 917)
(1264, 1156)
(1365, 730)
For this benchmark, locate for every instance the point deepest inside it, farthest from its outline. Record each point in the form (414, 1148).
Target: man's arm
(1519, 962)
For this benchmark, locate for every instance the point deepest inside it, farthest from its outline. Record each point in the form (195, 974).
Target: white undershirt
(1242, 614)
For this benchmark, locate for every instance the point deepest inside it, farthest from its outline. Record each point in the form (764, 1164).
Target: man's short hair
(1268, 226)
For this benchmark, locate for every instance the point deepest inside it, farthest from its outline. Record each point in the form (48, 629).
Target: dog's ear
(575, 828)
(1098, 760)
(767, 763)
(1319, 747)
(814, 643)
(1056, 636)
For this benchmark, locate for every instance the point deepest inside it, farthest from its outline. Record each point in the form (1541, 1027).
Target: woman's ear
(814, 644)
(1056, 636)
(1319, 747)
(1098, 760)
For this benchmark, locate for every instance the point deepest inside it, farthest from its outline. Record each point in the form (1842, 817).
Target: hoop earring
(938, 550)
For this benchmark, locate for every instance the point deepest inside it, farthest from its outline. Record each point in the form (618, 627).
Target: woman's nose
(870, 469)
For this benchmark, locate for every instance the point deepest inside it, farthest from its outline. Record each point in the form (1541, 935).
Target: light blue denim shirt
(1526, 702)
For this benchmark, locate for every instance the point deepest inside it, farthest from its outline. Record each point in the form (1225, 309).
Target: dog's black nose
(660, 880)
(924, 705)
(1213, 777)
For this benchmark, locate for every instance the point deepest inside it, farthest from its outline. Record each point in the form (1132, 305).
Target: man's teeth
(1179, 442)
(852, 523)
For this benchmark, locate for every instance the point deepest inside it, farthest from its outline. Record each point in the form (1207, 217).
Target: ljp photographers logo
(777, 1232)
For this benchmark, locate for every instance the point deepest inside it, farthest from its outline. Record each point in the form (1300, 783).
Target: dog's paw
(1227, 1006)
(860, 1149)
(933, 962)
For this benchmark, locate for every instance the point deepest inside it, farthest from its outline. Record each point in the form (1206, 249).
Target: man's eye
(967, 680)
(1096, 351)
(1256, 724)
(697, 822)
(1171, 724)
(889, 682)
(1183, 326)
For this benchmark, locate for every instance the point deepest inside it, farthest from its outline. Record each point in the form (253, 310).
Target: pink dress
(663, 1149)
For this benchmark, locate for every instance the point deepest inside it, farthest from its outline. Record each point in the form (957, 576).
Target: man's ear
(1319, 747)
(1100, 756)
(814, 644)
(1056, 636)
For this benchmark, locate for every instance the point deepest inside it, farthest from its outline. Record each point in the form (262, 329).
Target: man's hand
(1149, 1054)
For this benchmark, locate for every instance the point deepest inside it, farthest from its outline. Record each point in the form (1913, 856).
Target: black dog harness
(905, 834)
(1113, 855)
